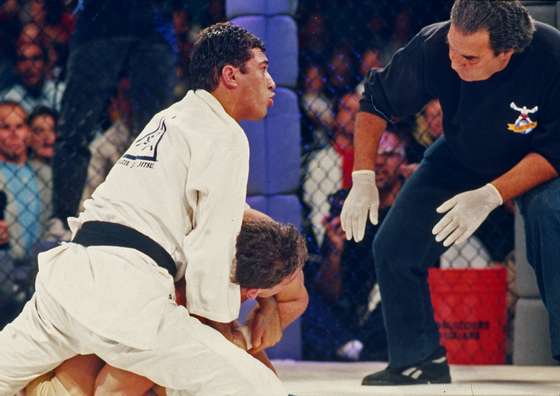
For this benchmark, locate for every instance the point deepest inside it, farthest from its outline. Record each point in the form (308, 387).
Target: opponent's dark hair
(217, 46)
(42, 111)
(507, 21)
(267, 252)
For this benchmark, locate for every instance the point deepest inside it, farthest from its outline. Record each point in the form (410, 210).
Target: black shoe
(433, 370)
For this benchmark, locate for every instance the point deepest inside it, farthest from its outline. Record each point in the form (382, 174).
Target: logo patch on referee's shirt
(145, 146)
(523, 124)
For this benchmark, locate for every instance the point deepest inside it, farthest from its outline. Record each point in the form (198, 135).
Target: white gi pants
(185, 357)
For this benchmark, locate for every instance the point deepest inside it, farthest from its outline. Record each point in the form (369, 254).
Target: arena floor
(343, 379)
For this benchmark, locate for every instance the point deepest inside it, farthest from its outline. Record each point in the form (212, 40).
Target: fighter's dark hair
(217, 46)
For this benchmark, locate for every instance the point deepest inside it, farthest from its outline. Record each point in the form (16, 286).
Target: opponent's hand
(265, 325)
(363, 198)
(465, 213)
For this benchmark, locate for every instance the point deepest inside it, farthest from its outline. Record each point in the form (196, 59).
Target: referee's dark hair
(507, 21)
(266, 253)
(217, 46)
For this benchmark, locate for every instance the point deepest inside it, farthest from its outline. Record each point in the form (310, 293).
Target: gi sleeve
(218, 180)
(399, 89)
(546, 137)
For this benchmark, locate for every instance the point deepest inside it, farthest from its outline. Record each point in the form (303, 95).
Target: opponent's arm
(273, 314)
(292, 301)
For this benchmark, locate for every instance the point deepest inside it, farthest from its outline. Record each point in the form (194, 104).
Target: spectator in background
(314, 37)
(429, 127)
(42, 123)
(371, 59)
(54, 25)
(402, 32)
(341, 78)
(32, 88)
(19, 180)
(110, 37)
(107, 148)
(10, 26)
(12, 297)
(344, 319)
(317, 106)
(329, 169)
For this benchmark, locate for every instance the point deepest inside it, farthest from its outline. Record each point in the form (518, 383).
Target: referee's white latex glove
(363, 198)
(465, 213)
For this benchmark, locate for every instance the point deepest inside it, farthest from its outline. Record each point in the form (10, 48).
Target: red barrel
(470, 311)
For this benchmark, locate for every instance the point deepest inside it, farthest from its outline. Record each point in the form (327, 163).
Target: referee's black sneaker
(433, 370)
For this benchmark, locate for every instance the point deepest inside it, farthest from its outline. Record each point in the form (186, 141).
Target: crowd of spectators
(340, 42)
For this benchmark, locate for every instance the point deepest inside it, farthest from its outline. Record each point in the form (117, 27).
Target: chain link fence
(340, 41)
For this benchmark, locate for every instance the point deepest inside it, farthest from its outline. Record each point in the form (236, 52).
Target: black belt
(102, 233)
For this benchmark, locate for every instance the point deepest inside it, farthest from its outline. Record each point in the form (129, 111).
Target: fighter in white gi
(268, 254)
(175, 200)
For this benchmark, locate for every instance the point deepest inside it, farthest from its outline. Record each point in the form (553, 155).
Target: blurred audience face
(472, 57)
(434, 118)
(31, 65)
(340, 69)
(43, 136)
(347, 110)
(120, 107)
(390, 156)
(370, 59)
(14, 134)
(30, 34)
(38, 12)
(314, 80)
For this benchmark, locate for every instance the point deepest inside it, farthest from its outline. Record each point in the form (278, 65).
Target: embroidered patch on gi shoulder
(523, 124)
(145, 146)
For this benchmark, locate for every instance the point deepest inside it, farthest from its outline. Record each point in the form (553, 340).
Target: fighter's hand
(465, 213)
(362, 199)
(265, 324)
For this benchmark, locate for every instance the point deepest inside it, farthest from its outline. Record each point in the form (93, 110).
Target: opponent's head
(228, 60)
(484, 34)
(269, 255)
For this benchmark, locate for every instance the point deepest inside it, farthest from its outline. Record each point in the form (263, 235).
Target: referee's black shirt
(479, 124)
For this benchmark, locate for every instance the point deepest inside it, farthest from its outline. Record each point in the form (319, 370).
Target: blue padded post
(275, 141)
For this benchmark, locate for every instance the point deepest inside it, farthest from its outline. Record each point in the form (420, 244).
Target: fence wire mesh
(340, 41)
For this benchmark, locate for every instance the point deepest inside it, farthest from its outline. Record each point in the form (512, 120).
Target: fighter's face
(472, 56)
(256, 87)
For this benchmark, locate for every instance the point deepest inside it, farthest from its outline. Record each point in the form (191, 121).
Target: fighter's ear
(229, 76)
(252, 293)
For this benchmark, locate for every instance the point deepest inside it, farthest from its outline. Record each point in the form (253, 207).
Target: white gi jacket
(183, 183)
